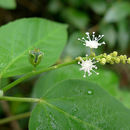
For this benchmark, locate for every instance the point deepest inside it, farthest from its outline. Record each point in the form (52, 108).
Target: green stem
(15, 117)
(33, 73)
(17, 99)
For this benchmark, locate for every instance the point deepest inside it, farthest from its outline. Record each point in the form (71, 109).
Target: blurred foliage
(8, 4)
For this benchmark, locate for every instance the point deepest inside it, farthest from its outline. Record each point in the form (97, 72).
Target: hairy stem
(18, 99)
(15, 117)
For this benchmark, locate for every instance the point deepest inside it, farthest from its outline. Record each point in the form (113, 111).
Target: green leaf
(124, 97)
(18, 37)
(8, 4)
(3, 82)
(110, 34)
(75, 17)
(117, 12)
(78, 105)
(109, 83)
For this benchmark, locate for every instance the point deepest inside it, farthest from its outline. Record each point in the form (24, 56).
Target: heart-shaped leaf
(78, 105)
(18, 37)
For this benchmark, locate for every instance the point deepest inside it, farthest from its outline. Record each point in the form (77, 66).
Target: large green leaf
(78, 105)
(8, 4)
(18, 37)
(106, 79)
(117, 12)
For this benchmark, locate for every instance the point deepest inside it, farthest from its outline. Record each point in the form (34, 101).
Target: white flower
(92, 42)
(88, 66)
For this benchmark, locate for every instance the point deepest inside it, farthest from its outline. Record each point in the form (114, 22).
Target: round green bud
(128, 60)
(103, 61)
(124, 61)
(108, 58)
(121, 57)
(125, 57)
(35, 57)
(1, 93)
(117, 60)
(111, 62)
(104, 54)
(115, 53)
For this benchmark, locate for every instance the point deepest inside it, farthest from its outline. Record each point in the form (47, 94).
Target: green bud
(104, 54)
(115, 53)
(108, 58)
(121, 57)
(124, 61)
(111, 62)
(117, 60)
(35, 57)
(1, 93)
(103, 61)
(128, 60)
(125, 57)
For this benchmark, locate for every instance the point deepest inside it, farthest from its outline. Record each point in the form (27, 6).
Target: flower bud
(115, 53)
(125, 57)
(104, 54)
(108, 58)
(1, 93)
(117, 60)
(111, 62)
(124, 61)
(103, 61)
(121, 57)
(128, 60)
(35, 57)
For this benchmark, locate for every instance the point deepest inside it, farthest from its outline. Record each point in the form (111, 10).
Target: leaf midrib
(67, 114)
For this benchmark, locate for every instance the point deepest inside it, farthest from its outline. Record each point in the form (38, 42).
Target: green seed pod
(1, 93)
(35, 57)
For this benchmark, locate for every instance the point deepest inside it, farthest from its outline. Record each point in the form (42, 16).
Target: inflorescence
(88, 64)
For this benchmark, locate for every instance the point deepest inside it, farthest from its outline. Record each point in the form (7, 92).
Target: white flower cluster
(88, 65)
(92, 42)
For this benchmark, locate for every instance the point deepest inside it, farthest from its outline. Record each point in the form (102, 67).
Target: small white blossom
(88, 66)
(92, 42)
